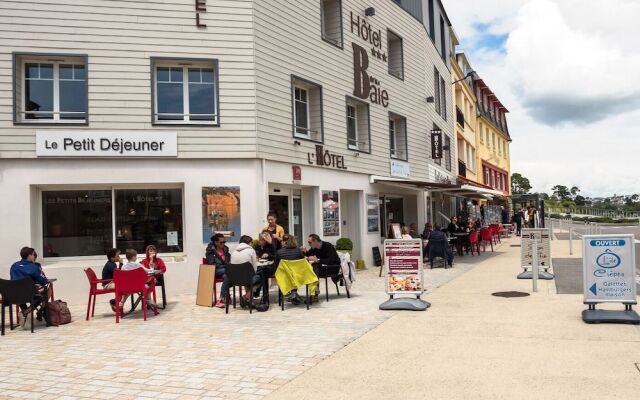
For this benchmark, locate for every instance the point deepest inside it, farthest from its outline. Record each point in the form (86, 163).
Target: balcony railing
(459, 117)
(462, 169)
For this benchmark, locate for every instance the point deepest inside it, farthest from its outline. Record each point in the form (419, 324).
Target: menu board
(373, 214)
(403, 261)
(541, 235)
(330, 213)
(608, 264)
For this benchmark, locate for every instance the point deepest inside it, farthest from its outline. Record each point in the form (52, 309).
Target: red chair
(216, 280)
(94, 290)
(474, 242)
(132, 282)
(486, 237)
(496, 228)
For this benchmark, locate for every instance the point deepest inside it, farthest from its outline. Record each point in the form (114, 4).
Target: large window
(80, 222)
(307, 109)
(50, 89)
(357, 114)
(331, 15)
(398, 136)
(436, 90)
(443, 97)
(185, 92)
(395, 50)
(447, 152)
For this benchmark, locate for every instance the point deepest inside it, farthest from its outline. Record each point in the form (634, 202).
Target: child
(113, 263)
(132, 264)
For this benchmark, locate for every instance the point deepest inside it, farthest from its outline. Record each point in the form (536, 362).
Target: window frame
(304, 81)
(322, 35)
(181, 62)
(436, 90)
(401, 39)
(355, 126)
(352, 100)
(112, 188)
(392, 116)
(295, 113)
(19, 60)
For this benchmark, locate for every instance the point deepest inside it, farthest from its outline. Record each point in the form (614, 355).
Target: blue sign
(607, 243)
(608, 260)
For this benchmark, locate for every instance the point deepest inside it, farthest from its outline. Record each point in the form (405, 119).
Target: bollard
(551, 228)
(534, 264)
(571, 241)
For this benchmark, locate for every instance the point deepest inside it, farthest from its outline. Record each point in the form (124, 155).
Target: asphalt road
(579, 229)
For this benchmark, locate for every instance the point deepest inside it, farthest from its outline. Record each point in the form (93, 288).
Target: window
(80, 222)
(331, 19)
(185, 92)
(307, 109)
(499, 147)
(436, 89)
(50, 89)
(443, 39)
(357, 113)
(493, 141)
(443, 97)
(395, 50)
(432, 29)
(471, 157)
(397, 136)
(447, 152)
(481, 133)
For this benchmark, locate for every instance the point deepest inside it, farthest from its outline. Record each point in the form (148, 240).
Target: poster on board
(373, 214)
(542, 236)
(403, 262)
(221, 212)
(330, 213)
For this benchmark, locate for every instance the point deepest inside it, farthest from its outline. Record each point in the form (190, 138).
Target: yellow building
(493, 164)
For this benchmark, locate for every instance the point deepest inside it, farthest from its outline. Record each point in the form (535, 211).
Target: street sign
(403, 262)
(608, 265)
(543, 239)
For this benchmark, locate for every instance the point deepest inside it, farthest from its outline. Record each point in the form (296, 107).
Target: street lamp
(465, 77)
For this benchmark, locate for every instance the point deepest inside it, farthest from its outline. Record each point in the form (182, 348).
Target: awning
(412, 184)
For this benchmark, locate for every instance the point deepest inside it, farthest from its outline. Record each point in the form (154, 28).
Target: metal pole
(551, 228)
(534, 264)
(571, 241)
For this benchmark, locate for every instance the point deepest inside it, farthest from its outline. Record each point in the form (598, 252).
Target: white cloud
(567, 73)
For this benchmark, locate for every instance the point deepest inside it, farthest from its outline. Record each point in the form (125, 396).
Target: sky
(569, 73)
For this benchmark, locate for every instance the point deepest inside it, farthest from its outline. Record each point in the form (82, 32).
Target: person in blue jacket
(27, 267)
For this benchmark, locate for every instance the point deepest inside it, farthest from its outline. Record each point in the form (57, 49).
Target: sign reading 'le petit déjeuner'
(106, 144)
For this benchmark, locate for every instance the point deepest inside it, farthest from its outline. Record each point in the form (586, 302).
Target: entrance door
(280, 205)
(296, 223)
(391, 211)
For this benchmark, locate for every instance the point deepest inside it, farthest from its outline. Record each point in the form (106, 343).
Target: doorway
(391, 212)
(279, 204)
(287, 204)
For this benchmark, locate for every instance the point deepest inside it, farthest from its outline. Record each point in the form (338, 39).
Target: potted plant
(344, 244)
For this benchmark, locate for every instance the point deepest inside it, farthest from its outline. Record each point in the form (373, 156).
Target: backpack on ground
(58, 313)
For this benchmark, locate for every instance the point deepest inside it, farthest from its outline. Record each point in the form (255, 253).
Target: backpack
(58, 313)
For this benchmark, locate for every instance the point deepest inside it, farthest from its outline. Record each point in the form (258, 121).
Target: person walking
(517, 220)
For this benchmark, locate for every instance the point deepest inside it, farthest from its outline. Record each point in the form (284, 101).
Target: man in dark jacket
(218, 254)
(28, 268)
(438, 244)
(321, 253)
(517, 219)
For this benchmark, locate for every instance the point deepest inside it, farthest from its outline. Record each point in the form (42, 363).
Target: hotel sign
(106, 144)
(323, 158)
(436, 144)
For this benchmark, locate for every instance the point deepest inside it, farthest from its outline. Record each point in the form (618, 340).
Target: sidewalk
(471, 345)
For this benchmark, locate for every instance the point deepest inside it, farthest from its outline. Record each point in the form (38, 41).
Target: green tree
(519, 184)
(580, 201)
(574, 191)
(561, 192)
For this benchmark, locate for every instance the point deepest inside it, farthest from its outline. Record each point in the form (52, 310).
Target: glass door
(279, 204)
(296, 221)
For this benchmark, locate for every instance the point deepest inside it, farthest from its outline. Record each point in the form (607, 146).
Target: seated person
(113, 263)
(405, 233)
(152, 261)
(438, 241)
(27, 267)
(264, 247)
(427, 231)
(453, 225)
(218, 254)
(321, 253)
(289, 251)
(242, 254)
(132, 263)
(413, 231)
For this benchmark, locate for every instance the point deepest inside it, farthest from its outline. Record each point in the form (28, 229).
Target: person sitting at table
(453, 225)
(427, 231)
(113, 263)
(152, 261)
(289, 251)
(405, 233)
(242, 254)
(438, 241)
(27, 267)
(276, 231)
(321, 253)
(413, 231)
(131, 264)
(218, 254)
(264, 247)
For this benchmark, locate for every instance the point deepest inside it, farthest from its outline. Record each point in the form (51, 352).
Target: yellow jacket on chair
(291, 274)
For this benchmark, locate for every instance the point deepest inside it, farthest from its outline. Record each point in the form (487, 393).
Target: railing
(462, 169)
(492, 118)
(594, 212)
(459, 117)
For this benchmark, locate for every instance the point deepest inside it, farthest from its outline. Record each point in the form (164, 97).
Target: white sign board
(400, 169)
(608, 265)
(543, 238)
(106, 144)
(172, 238)
(403, 261)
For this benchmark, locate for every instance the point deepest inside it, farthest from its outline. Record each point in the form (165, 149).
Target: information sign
(608, 265)
(543, 239)
(403, 262)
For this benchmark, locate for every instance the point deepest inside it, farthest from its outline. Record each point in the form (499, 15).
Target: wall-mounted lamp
(446, 148)
(297, 142)
(431, 99)
(469, 74)
(370, 12)
(356, 155)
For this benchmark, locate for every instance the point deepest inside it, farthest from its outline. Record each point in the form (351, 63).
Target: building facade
(161, 123)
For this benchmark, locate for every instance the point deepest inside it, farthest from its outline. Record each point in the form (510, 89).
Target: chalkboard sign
(377, 258)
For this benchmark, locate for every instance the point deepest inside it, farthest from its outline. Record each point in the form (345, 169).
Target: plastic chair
(474, 241)
(14, 293)
(333, 272)
(495, 233)
(486, 237)
(216, 280)
(240, 275)
(132, 282)
(94, 290)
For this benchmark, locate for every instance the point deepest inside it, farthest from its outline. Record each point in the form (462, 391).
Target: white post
(571, 241)
(534, 264)
(551, 228)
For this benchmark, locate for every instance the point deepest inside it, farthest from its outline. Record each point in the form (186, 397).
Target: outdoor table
(265, 278)
(460, 238)
(134, 304)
